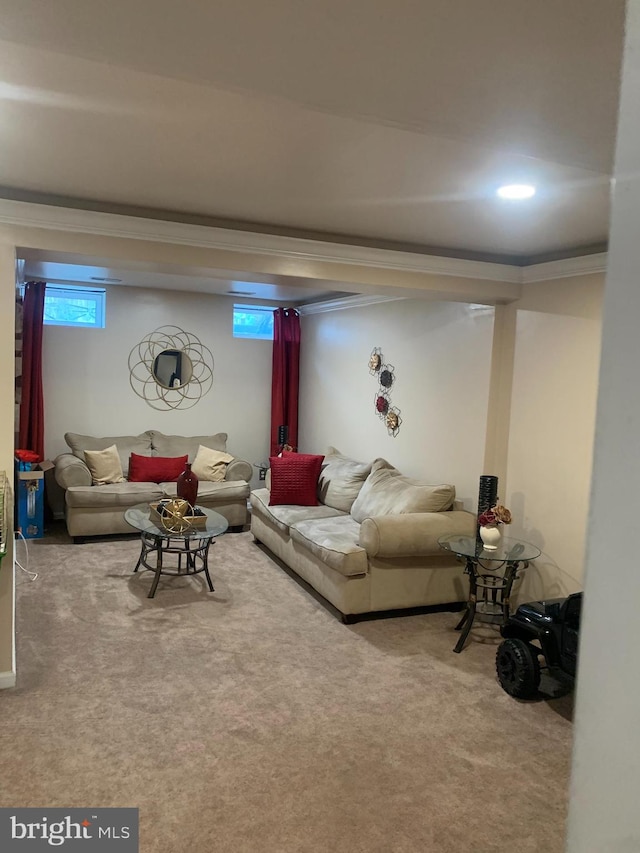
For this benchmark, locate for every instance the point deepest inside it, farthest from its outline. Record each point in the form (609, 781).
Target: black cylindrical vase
(488, 492)
(487, 497)
(283, 435)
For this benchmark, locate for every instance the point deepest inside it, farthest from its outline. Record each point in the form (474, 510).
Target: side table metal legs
(470, 612)
(495, 595)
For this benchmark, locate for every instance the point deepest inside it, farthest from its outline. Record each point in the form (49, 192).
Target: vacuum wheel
(518, 668)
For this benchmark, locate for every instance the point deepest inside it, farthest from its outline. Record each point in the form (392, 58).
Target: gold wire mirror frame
(142, 359)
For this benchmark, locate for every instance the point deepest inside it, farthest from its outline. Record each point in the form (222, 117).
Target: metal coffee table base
(193, 551)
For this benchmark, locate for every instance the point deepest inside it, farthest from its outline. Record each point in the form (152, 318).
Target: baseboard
(418, 610)
(7, 679)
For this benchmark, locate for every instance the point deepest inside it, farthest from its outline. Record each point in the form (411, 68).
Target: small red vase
(187, 485)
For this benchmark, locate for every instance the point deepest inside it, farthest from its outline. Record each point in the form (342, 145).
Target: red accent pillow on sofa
(294, 479)
(156, 469)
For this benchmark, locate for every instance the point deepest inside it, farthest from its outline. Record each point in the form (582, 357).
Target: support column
(499, 409)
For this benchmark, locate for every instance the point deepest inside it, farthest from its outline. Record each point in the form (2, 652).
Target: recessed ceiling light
(516, 191)
(106, 280)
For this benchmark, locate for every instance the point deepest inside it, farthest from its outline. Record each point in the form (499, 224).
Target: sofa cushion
(413, 534)
(177, 445)
(126, 444)
(284, 516)
(211, 464)
(105, 466)
(341, 479)
(388, 492)
(112, 495)
(334, 541)
(294, 479)
(209, 492)
(155, 469)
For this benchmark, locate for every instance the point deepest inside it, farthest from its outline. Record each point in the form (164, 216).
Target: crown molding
(34, 215)
(51, 217)
(583, 265)
(345, 302)
(547, 271)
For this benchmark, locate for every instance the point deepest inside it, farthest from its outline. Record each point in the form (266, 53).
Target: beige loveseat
(96, 510)
(371, 543)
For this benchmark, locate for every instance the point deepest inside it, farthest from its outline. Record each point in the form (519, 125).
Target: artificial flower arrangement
(26, 459)
(498, 514)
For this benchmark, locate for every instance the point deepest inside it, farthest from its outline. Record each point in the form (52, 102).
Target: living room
(452, 377)
(453, 361)
(496, 372)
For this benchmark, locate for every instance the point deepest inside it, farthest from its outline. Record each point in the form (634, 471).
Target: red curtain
(285, 376)
(31, 431)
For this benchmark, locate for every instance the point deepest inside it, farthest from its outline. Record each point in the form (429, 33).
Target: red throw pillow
(156, 469)
(294, 479)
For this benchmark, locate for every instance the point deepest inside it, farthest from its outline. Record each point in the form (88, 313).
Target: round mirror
(172, 368)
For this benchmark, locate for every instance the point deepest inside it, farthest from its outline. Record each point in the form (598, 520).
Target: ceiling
(385, 124)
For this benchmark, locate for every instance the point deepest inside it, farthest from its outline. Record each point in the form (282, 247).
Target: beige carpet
(251, 719)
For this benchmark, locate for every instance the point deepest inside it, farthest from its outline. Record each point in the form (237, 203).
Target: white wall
(7, 441)
(604, 814)
(442, 357)
(441, 352)
(552, 425)
(86, 374)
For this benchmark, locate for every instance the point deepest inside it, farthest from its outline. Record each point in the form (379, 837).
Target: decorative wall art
(393, 420)
(171, 368)
(382, 403)
(386, 376)
(382, 399)
(375, 361)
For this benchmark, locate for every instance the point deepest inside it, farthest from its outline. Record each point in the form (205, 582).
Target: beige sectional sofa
(96, 510)
(371, 543)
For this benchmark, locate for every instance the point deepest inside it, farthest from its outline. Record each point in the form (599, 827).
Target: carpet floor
(251, 719)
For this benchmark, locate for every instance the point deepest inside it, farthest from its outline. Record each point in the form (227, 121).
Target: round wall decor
(375, 360)
(386, 377)
(393, 420)
(171, 368)
(381, 402)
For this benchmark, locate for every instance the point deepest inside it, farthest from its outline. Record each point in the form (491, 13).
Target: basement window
(68, 305)
(253, 321)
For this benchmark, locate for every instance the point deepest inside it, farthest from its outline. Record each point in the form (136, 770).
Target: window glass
(66, 305)
(253, 321)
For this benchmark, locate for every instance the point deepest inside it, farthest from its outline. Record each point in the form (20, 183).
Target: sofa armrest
(239, 470)
(71, 471)
(412, 534)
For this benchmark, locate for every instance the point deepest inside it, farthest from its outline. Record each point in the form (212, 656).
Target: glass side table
(491, 576)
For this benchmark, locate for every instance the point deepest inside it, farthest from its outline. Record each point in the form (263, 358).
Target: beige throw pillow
(105, 465)
(387, 492)
(341, 479)
(210, 464)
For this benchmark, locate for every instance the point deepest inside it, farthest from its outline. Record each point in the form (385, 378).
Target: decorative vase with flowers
(491, 521)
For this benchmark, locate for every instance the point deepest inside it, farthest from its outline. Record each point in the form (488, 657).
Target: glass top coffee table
(189, 547)
(491, 576)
